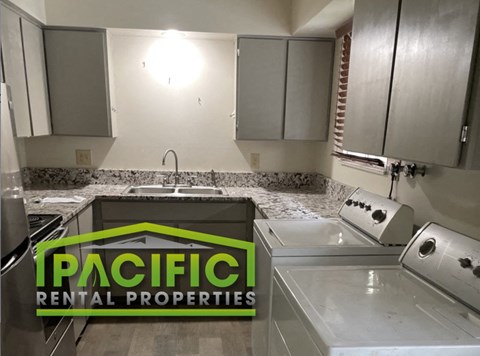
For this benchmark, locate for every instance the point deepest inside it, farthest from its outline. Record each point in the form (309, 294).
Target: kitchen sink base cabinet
(233, 220)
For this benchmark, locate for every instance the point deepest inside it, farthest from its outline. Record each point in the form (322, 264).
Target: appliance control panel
(448, 259)
(385, 220)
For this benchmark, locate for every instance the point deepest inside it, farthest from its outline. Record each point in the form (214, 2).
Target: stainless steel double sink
(178, 190)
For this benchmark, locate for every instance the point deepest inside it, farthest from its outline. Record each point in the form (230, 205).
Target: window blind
(342, 93)
(338, 150)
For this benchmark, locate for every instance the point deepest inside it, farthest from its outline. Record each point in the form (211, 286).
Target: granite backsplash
(34, 177)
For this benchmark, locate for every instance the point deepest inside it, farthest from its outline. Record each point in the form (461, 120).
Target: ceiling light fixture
(173, 34)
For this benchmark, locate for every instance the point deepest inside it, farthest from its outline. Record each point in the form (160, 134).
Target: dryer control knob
(465, 262)
(355, 203)
(379, 216)
(349, 202)
(476, 271)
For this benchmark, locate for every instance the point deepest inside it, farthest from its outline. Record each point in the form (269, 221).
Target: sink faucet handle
(160, 178)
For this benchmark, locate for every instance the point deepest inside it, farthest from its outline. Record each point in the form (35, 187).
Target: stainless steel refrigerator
(22, 330)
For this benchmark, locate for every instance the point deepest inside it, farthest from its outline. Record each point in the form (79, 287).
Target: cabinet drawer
(177, 211)
(296, 337)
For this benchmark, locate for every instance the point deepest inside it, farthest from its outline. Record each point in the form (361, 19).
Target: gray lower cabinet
(129, 270)
(80, 224)
(231, 220)
(79, 322)
(283, 88)
(78, 79)
(85, 225)
(230, 230)
(25, 73)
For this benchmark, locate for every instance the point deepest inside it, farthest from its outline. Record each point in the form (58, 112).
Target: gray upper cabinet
(431, 84)
(425, 106)
(283, 88)
(77, 66)
(14, 66)
(36, 78)
(261, 88)
(24, 65)
(307, 103)
(370, 74)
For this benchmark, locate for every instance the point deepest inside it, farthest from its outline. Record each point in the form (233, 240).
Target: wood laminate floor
(165, 336)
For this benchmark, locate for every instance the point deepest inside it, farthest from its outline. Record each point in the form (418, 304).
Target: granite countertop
(277, 203)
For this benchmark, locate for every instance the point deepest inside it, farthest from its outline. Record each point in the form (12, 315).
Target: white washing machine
(370, 230)
(427, 306)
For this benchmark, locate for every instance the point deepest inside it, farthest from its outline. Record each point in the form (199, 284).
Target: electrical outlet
(83, 157)
(255, 160)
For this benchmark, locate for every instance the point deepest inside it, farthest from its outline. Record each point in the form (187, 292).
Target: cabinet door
(229, 230)
(370, 74)
(85, 225)
(129, 270)
(37, 78)
(14, 66)
(261, 88)
(78, 82)
(85, 221)
(436, 45)
(79, 322)
(309, 81)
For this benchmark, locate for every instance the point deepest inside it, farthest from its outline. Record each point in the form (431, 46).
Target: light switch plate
(83, 157)
(255, 160)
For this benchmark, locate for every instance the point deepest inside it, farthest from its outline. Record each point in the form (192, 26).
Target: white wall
(36, 8)
(448, 196)
(153, 117)
(227, 16)
(304, 10)
(320, 17)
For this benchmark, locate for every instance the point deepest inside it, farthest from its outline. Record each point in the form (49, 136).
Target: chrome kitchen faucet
(176, 163)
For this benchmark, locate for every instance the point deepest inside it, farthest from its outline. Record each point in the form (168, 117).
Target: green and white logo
(154, 270)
